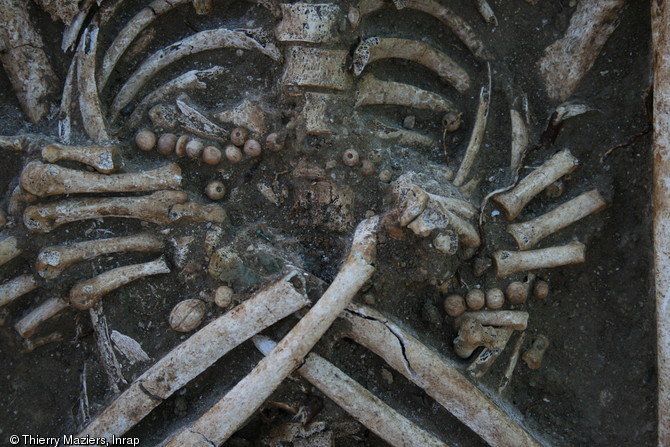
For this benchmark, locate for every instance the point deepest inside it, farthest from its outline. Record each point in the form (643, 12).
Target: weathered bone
(197, 353)
(13, 143)
(71, 31)
(22, 55)
(52, 261)
(476, 138)
(201, 122)
(372, 91)
(110, 364)
(483, 362)
(154, 208)
(105, 159)
(515, 319)
(567, 60)
(520, 138)
(247, 114)
(514, 200)
(228, 415)
(16, 288)
(196, 43)
(311, 23)
(473, 334)
(527, 234)
(67, 102)
(356, 400)
(27, 325)
(533, 356)
(316, 67)
(198, 213)
(30, 345)
(9, 249)
(86, 294)
(486, 12)
(513, 360)
(378, 48)
(46, 180)
(508, 262)
(89, 101)
(436, 375)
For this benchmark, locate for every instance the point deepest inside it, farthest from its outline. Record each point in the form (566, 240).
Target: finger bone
(16, 288)
(508, 262)
(27, 325)
(105, 159)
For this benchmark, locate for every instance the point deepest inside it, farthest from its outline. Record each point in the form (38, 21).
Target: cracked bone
(25, 62)
(105, 159)
(85, 295)
(476, 138)
(196, 43)
(437, 376)
(372, 91)
(356, 400)
(310, 23)
(508, 262)
(89, 101)
(228, 415)
(13, 143)
(515, 319)
(247, 114)
(72, 29)
(186, 361)
(378, 48)
(527, 234)
(567, 60)
(154, 208)
(9, 249)
(198, 213)
(533, 356)
(52, 261)
(514, 200)
(513, 360)
(44, 180)
(482, 362)
(110, 364)
(316, 67)
(27, 325)
(16, 288)
(520, 139)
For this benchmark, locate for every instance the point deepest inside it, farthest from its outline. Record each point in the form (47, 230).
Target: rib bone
(46, 180)
(89, 101)
(199, 352)
(228, 415)
(105, 159)
(476, 138)
(86, 294)
(52, 261)
(519, 138)
(508, 262)
(9, 249)
(513, 201)
(27, 325)
(153, 208)
(372, 91)
(527, 234)
(16, 288)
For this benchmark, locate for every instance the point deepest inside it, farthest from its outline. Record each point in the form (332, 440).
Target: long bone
(515, 319)
(508, 262)
(436, 375)
(372, 91)
(198, 213)
(477, 135)
(105, 159)
(520, 138)
(16, 288)
(486, 12)
(89, 101)
(27, 325)
(154, 208)
(196, 43)
(9, 249)
(44, 180)
(377, 48)
(52, 261)
(527, 234)
(228, 415)
(86, 294)
(185, 362)
(356, 400)
(514, 200)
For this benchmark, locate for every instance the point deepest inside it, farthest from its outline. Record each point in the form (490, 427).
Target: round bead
(145, 140)
(180, 146)
(166, 143)
(476, 299)
(517, 292)
(541, 289)
(194, 148)
(233, 154)
(215, 190)
(350, 157)
(211, 155)
(238, 136)
(367, 168)
(252, 148)
(495, 299)
(385, 176)
(454, 305)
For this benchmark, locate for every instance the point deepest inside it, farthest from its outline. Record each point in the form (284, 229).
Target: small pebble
(238, 136)
(211, 155)
(234, 154)
(224, 296)
(187, 315)
(215, 190)
(475, 299)
(274, 143)
(369, 299)
(454, 305)
(145, 140)
(252, 148)
(166, 143)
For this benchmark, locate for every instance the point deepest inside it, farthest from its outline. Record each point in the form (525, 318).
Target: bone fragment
(194, 79)
(486, 12)
(228, 415)
(52, 261)
(514, 200)
(197, 353)
(129, 347)
(71, 31)
(414, 204)
(105, 159)
(508, 262)
(247, 114)
(473, 334)
(86, 294)
(203, 7)
(436, 375)
(378, 48)
(198, 213)
(44, 180)
(153, 208)
(483, 362)
(9, 249)
(13, 143)
(67, 102)
(16, 288)
(30, 345)
(310, 23)
(515, 319)
(63, 10)
(513, 360)
(27, 325)
(520, 138)
(316, 67)
(89, 101)
(476, 138)
(196, 43)
(372, 91)
(25, 62)
(533, 356)
(527, 234)
(356, 400)
(108, 359)
(567, 60)
(203, 124)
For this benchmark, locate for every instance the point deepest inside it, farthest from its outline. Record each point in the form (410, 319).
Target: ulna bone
(508, 262)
